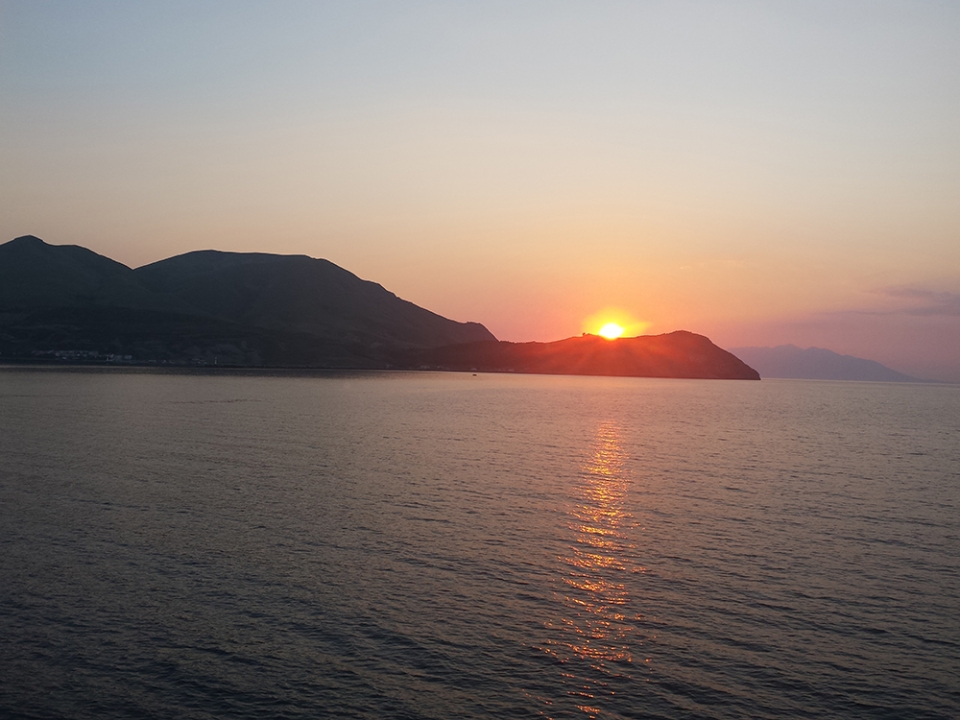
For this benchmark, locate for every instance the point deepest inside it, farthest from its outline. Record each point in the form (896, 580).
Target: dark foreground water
(457, 546)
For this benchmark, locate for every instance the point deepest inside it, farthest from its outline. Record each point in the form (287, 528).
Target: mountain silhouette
(678, 354)
(207, 307)
(790, 361)
(257, 309)
(300, 294)
(35, 275)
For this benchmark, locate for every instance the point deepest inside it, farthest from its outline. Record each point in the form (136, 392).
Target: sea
(238, 544)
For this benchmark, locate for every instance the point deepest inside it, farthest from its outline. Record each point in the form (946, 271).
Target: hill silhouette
(790, 361)
(257, 309)
(207, 307)
(678, 354)
(300, 294)
(34, 275)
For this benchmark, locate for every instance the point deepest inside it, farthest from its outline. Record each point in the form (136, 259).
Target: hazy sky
(759, 172)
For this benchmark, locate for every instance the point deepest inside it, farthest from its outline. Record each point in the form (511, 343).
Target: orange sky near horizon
(758, 174)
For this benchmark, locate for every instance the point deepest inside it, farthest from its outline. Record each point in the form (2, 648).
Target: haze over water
(442, 545)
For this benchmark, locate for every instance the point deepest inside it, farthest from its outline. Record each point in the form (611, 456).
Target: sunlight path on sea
(599, 625)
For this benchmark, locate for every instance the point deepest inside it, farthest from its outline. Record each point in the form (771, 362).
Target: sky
(760, 173)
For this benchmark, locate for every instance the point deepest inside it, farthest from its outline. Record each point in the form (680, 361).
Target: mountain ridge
(209, 307)
(189, 309)
(814, 363)
(301, 294)
(679, 354)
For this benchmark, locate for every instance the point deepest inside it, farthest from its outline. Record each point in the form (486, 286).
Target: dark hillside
(300, 294)
(678, 354)
(34, 274)
(68, 303)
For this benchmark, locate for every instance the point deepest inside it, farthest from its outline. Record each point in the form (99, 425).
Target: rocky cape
(678, 354)
(64, 303)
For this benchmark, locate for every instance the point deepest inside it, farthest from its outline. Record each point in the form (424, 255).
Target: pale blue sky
(759, 172)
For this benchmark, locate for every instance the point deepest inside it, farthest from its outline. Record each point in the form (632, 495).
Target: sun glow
(612, 322)
(611, 331)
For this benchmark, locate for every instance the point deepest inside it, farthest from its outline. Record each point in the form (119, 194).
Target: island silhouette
(65, 303)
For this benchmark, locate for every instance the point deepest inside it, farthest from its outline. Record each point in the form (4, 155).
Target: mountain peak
(25, 240)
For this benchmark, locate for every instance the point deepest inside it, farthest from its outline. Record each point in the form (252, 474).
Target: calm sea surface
(417, 545)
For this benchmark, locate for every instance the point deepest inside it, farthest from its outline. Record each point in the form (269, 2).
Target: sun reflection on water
(598, 627)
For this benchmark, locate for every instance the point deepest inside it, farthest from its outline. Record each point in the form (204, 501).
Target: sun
(613, 322)
(611, 331)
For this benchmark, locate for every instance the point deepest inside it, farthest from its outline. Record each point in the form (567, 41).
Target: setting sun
(611, 331)
(613, 322)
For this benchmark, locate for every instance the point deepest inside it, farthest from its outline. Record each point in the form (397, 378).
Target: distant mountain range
(69, 304)
(789, 361)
